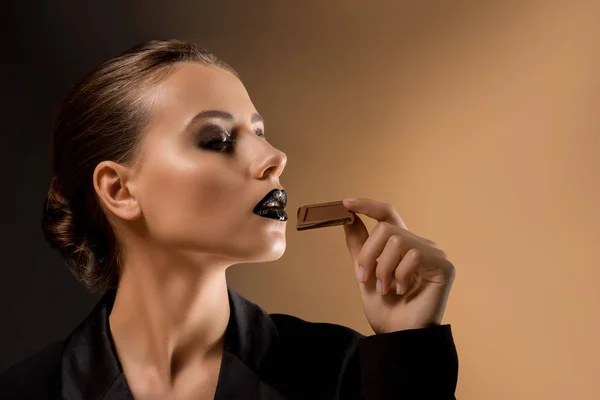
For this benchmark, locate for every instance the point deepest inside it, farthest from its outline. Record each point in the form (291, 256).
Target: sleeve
(410, 364)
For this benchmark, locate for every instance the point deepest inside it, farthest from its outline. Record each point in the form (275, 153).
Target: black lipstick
(272, 205)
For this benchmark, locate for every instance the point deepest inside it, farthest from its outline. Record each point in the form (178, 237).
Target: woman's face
(206, 165)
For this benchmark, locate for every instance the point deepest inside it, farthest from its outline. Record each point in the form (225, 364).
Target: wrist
(408, 326)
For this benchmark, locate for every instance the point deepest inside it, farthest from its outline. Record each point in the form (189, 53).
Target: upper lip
(275, 195)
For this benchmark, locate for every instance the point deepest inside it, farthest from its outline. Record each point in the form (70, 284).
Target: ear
(113, 184)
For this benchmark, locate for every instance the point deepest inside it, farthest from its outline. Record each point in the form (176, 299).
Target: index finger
(380, 211)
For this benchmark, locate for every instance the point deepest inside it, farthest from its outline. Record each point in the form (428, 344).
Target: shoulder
(323, 341)
(324, 354)
(36, 376)
(294, 327)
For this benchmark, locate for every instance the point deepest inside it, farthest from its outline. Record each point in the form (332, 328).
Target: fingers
(382, 212)
(356, 236)
(391, 254)
(386, 264)
(406, 269)
(373, 248)
(390, 261)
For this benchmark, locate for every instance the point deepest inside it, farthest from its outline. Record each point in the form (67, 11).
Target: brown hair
(103, 118)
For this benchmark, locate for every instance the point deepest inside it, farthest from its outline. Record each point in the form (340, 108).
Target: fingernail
(361, 274)
(398, 288)
(378, 286)
(352, 201)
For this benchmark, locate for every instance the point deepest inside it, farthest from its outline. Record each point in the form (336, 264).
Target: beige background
(480, 122)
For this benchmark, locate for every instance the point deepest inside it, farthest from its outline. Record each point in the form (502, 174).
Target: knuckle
(415, 253)
(396, 240)
(432, 243)
(385, 227)
(451, 270)
(389, 208)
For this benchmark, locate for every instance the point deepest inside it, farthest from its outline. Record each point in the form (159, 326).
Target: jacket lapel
(239, 382)
(90, 366)
(250, 344)
(91, 369)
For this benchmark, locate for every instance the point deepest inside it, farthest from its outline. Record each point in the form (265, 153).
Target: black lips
(277, 213)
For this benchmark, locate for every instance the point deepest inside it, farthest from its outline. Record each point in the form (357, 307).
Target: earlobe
(111, 185)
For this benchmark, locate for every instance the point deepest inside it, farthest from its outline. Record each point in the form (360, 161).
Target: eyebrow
(221, 115)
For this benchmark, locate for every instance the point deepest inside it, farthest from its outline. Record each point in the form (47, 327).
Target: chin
(272, 250)
(273, 245)
(277, 250)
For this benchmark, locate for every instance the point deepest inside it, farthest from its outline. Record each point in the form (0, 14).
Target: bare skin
(183, 214)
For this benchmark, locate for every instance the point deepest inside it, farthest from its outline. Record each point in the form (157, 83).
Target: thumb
(356, 236)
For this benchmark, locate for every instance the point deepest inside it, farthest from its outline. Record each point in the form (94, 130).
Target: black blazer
(266, 356)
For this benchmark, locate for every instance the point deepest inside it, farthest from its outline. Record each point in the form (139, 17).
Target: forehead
(191, 88)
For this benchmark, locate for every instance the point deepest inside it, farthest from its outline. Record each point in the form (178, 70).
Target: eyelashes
(217, 138)
(259, 132)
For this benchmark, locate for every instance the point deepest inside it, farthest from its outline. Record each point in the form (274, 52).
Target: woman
(163, 178)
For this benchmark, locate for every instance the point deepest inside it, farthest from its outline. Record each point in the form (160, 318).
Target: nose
(271, 164)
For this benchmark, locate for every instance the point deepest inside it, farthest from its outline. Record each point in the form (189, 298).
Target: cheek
(211, 192)
(186, 198)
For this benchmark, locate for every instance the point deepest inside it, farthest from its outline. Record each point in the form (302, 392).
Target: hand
(404, 279)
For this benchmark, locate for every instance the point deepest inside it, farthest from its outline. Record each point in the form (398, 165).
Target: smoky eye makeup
(212, 131)
(214, 137)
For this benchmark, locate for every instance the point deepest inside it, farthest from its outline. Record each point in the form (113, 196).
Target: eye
(260, 133)
(215, 138)
(217, 145)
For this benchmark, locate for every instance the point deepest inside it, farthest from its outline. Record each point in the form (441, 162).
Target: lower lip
(277, 214)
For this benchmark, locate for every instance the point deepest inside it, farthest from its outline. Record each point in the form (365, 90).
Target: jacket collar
(91, 369)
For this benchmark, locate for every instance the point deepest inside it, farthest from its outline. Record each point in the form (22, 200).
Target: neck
(168, 317)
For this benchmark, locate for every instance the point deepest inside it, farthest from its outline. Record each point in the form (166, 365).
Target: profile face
(206, 166)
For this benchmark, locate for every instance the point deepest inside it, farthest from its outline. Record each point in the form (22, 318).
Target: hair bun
(60, 229)
(57, 217)
(103, 118)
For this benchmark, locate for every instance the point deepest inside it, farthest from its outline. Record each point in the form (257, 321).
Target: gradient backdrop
(479, 121)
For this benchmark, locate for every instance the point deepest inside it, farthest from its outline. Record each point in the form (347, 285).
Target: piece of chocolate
(323, 214)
